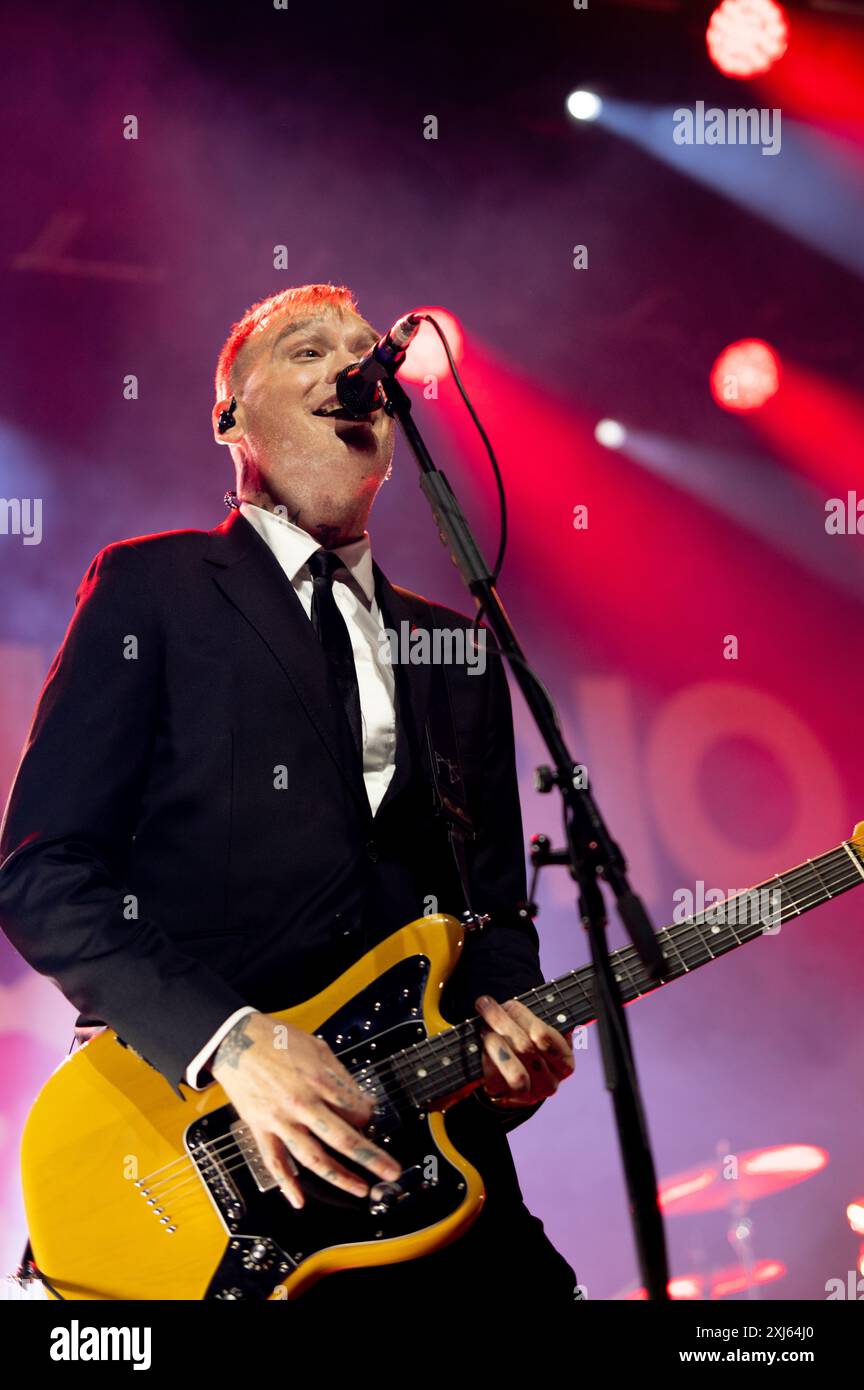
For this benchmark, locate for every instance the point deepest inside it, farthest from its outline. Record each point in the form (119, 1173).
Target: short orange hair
(295, 301)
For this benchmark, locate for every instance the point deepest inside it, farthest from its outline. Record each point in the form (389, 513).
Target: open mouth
(338, 412)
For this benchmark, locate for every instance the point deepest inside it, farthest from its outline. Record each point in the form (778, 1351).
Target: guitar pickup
(264, 1179)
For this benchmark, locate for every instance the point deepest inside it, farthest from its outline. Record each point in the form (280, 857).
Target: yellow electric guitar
(131, 1193)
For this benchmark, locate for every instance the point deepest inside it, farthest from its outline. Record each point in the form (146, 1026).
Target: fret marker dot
(549, 998)
(421, 1071)
(560, 1018)
(472, 1047)
(445, 1061)
(714, 931)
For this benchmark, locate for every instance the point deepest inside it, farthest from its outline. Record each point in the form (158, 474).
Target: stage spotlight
(855, 1215)
(610, 433)
(425, 357)
(745, 375)
(747, 37)
(584, 106)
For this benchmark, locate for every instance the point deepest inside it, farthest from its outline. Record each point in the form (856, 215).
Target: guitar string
(445, 1040)
(839, 883)
(837, 880)
(840, 880)
(227, 1151)
(194, 1187)
(230, 1148)
(226, 1146)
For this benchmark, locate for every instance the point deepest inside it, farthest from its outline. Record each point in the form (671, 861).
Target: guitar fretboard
(439, 1066)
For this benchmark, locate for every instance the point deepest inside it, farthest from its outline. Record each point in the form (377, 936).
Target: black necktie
(333, 635)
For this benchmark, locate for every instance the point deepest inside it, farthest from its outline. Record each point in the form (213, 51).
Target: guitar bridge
(215, 1160)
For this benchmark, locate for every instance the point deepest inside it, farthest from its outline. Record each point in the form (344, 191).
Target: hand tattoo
(233, 1045)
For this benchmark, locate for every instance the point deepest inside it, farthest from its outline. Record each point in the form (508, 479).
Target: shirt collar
(292, 547)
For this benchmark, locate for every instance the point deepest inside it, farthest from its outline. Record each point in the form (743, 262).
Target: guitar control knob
(257, 1257)
(383, 1196)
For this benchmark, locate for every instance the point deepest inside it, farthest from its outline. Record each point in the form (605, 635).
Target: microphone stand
(591, 854)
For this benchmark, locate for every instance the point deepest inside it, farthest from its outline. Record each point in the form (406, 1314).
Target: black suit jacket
(184, 836)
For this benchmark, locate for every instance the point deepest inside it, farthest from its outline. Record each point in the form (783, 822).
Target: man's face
(287, 377)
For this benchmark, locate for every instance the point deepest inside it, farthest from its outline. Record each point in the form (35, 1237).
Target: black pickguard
(268, 1238)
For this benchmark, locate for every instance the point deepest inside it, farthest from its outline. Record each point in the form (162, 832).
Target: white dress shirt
(354, 594)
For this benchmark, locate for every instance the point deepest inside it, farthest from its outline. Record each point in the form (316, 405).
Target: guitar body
(131, 1193)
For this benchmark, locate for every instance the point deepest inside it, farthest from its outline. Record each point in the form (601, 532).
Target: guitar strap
(449, 797)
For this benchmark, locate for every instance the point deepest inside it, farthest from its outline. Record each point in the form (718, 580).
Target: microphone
(357, 386)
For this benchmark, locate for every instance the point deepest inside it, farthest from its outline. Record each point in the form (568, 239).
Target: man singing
(224, 801)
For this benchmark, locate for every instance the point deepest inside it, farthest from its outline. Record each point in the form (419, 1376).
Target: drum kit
(732, 1183)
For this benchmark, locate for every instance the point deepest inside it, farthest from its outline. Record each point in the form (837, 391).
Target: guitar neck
(441, 1065)
(759, 911)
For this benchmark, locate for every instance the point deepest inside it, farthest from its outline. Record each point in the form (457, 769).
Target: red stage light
(745, 375)
(734, 1280)
(747, 37)
(681, 1286)
(719, 1283)
(685, 1286)
(426, 356)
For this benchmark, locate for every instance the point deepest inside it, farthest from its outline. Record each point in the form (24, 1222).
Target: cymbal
(743, 1177)
(716, 1283)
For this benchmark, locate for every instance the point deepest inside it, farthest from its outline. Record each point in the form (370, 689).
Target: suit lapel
(251, 578)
